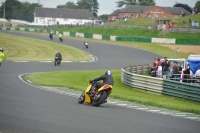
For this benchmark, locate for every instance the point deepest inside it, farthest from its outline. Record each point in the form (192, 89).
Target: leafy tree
(18, 10)
(103, 17)
(69, 4)
(197, 5)
(185, 6)
(147, 3)
(126, 2)
(91, 5)
(122, 3)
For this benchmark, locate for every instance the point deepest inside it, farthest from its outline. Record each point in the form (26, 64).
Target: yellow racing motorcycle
(99, 97)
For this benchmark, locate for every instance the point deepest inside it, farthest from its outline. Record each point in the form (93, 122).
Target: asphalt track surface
(26, 109)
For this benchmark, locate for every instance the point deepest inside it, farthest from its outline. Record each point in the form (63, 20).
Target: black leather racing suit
(107, 79)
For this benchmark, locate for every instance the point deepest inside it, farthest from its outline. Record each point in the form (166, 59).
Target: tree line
(15, 9)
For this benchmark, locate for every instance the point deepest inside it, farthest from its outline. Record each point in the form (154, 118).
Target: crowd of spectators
(173, 71)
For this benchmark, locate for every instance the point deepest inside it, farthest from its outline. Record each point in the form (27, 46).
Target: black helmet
(108, 72)
(1, 49)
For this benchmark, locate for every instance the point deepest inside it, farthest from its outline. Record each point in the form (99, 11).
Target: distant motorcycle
(61, 39)
(51, 37)
(57, 61)
(86, 44)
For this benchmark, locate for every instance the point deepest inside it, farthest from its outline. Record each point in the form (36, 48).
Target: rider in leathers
(107, 79)
(2, 56)
(59, 56)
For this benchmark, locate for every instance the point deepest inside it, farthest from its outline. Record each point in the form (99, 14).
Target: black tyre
(55, 63)
(81, 99)
(102, 97)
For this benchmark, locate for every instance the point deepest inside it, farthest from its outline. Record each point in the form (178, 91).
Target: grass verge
(126, 32)
(80, 79)
(22, 48)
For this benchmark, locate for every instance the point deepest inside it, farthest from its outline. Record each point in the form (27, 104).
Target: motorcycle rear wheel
(81, 99)
(101, 99)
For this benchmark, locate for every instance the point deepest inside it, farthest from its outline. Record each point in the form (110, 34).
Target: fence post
(137, 70)
(143, 69)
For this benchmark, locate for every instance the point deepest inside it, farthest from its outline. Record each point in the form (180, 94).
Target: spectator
(152, 72)
(179, 71)
(186, 74)
(175, 71)
(190, 21)
(171, 71)
(197, 75)
(159, 68)
(192, 77)
(165, 68)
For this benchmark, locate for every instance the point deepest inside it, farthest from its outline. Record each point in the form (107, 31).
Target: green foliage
(147, 3)
(103, 17)
(197, 5)
(91, 5)
(122, 3)
(184, 6)
(15, 9)
(69, 5)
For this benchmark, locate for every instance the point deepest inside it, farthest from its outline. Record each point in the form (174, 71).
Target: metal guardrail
(92, 26)
(187, 30)
(159, 85)
(140, 69)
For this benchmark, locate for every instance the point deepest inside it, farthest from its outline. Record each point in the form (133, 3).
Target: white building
(60, 16)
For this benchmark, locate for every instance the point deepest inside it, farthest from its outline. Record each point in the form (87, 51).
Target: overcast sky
(108, 6)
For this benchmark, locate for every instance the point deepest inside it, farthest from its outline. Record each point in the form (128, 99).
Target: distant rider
(107, 79)
(60, 36)
(2, 56)
(85, 42)
(59, 56)
(51, 35)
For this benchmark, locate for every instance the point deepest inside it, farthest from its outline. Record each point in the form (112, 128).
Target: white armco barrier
(79, 34)
(97, 36)
(66, 33)
(21, 28)
(31, 29)
(163, 40)
(113, 38)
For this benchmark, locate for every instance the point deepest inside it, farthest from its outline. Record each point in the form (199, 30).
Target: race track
(26, 109)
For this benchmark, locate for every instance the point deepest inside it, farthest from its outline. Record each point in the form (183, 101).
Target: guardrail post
(143, 69)
(137, 69)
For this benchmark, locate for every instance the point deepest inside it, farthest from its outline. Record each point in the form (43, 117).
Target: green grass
(79, 81)
(21, 48)
(127, 32)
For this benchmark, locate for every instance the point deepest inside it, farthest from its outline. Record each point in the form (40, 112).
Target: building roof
(176, 10)
(116, 12)
(64, 13)
(136, 8)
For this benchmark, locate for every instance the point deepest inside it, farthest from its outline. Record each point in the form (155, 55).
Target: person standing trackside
(2, 56)
(165, 67)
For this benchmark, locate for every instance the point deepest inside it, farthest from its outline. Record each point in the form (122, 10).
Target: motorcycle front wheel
(81, 99)
(102, 96)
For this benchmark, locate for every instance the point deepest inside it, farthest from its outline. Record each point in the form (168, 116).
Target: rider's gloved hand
(90, 81)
